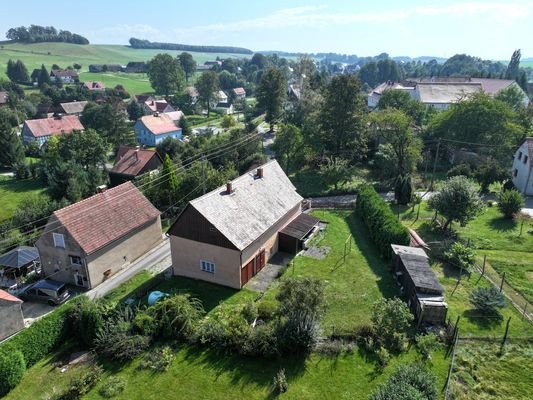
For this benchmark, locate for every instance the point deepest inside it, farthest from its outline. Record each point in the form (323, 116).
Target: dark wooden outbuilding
(292, 238)
(423, 292)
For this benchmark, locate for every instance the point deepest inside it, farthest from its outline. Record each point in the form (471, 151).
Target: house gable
(194, 226)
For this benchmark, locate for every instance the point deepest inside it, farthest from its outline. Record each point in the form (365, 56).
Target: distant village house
(41, 130)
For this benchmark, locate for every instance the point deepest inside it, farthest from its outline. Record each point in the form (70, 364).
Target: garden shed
(423, 292)
(297, 233)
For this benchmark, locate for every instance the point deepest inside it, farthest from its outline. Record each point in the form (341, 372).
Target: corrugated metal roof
(254, 205)
(300, 226)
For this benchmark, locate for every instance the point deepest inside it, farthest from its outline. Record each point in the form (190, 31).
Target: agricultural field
(64, 54)
(133, 83)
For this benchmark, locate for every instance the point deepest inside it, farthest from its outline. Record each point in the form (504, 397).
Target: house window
(75, 260)
(59, 240)
(207, 266)
(525, 159)
(515, 173)
(519, 155)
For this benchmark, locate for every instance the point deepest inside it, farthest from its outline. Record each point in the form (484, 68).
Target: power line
(178, 170)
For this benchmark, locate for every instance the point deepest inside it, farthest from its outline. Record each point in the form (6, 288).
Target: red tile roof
(54, 126)
(105, 217)
(8, 297)
(131, 161)
(160, 124)
(239, 91)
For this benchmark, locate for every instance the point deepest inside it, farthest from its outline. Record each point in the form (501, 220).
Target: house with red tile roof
(85, 243)
(132, 162)
(41, 130)
(11, 316)
(153, 129)
(239, 93)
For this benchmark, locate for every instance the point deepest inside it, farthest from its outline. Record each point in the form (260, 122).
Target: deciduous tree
(165, 74)
(289, 146)
(271, 94)
(187, 64)
(207, 86)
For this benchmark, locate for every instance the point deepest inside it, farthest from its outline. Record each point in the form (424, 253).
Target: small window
(519, 155)
(75, 260)
(515, 173)
(59, 240)
(207, 266)
(525, 159)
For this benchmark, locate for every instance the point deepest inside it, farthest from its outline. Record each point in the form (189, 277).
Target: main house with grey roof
(523, 167)
(227, 236)
(85, 243)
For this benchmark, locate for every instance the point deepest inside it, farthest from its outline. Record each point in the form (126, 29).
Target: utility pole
(434, 166)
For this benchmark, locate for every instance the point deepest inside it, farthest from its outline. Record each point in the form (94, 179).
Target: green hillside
(64, 54)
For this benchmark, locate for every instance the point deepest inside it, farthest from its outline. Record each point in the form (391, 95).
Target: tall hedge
(12, 370)
(382, 224)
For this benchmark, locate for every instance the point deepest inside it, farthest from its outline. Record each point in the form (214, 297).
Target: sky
(487, 29)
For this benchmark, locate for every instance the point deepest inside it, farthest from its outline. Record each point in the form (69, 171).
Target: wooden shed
(293, 237)
(423, 292)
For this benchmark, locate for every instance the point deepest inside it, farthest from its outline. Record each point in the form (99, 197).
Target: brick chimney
(259, 172)
(229, 187)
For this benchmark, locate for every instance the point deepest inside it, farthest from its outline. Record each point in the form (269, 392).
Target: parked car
(46, 291)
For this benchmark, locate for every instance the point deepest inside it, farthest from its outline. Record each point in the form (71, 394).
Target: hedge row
(382, 224)
(32, 344)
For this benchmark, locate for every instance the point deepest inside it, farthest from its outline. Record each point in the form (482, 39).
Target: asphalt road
(157, 256)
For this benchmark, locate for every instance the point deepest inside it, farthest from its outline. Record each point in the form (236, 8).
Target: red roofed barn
(41, 130)
(88, 241)
(132, 162)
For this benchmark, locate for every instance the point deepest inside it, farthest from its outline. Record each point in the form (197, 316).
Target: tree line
(38, 34)
(146, 44)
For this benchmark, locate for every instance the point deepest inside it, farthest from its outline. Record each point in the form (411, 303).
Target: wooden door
(262, 260)
(247, 272)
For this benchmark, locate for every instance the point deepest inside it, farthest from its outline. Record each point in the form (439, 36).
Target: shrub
(510, 202)
(145, 324)
(301, 305)
(227, 331)
(426, 344)
(280, 382)
(12, 368)
(177, 316)
(112, 387)
(331, 348)
(391, 318)
(81, 385)
(411, 381)
(460, 169)
(487, 300)
(266, 309)
(249, 312)
(86, 319)
(383, 357)
(383, 226)
(460, 256)
(159, 360)
(262, 342)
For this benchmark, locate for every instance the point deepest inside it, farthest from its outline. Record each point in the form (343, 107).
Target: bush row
(382, 224)
(31, 345)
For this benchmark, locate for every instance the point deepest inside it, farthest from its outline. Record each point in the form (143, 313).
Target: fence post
(505, 334)
(484, 261)
(501, 284)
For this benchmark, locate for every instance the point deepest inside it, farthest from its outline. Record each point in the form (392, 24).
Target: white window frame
(59, 240)
(207, 266)
(74, 263)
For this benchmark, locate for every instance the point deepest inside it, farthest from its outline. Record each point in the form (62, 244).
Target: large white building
(522, 167)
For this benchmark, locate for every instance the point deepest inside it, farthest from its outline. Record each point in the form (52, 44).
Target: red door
(247, 272)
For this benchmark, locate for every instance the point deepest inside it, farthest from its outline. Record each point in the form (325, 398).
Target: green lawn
(481, 373)
(309, 182)
(12, 192)
(491, 235)
(133, 83)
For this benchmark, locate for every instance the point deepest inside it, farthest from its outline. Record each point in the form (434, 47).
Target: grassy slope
(12, 192)
(133, 83)
(64, 54)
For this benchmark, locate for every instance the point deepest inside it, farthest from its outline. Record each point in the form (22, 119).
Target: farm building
(420, 286)
(132, 162)
(228, 235)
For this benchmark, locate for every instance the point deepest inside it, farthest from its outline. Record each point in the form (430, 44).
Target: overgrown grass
(12, 192)
(480, 372)
(309, 182)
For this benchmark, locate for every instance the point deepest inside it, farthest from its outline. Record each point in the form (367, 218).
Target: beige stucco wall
(118, 254)
(55, 258)
(186, 256)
